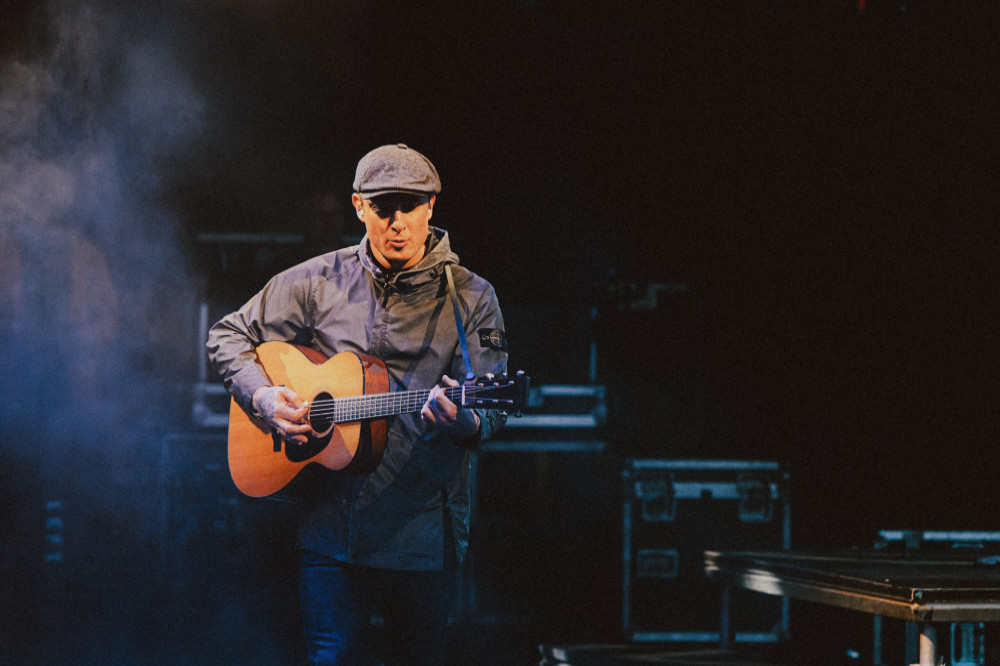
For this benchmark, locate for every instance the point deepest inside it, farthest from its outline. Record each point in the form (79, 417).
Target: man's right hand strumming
(284, 411)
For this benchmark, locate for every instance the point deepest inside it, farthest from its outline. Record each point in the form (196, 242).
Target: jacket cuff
(491, 421)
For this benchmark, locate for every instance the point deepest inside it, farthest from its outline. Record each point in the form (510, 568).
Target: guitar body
(262, 464)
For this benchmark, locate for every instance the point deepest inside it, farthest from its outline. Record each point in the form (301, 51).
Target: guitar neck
(381, 405)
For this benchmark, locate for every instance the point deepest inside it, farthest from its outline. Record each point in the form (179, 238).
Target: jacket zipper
(388, 288)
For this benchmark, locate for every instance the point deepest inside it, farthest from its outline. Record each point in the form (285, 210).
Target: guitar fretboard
(381, 405)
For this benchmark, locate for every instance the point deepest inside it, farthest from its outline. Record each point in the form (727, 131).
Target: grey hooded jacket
(412, 511)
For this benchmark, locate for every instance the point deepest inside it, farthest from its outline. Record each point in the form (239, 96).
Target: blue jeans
(338, 602)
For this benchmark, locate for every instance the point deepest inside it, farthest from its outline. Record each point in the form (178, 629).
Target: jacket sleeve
(277, 312)
(484, 329)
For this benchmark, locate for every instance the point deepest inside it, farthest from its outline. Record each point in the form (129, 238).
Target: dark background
(809, 189)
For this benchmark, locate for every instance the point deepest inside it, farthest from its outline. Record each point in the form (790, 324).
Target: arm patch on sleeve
(493, 338)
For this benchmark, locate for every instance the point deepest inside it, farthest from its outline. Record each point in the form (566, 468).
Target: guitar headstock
(495, 392)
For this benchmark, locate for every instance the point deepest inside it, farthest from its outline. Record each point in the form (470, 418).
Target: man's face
(397, 226)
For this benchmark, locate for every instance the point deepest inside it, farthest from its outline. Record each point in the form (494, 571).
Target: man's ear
(430, 205)
(359, 204)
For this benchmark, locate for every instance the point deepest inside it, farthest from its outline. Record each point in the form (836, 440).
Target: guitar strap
(470, 374)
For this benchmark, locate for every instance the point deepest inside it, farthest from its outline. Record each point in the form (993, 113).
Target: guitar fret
(363, 407)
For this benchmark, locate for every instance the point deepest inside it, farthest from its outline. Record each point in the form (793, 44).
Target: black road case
(675, 510)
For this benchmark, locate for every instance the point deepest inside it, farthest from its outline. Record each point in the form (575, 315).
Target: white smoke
(96, 312)
(87, 132)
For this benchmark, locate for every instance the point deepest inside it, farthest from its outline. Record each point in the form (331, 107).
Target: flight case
(675, 510)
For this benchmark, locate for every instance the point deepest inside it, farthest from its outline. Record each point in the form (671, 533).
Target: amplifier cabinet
(675, 510)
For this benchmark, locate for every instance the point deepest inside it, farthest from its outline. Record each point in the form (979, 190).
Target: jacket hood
(431, 266)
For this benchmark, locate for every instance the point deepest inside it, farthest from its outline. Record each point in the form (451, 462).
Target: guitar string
(350, 408)
(417, 397)
(357, 401)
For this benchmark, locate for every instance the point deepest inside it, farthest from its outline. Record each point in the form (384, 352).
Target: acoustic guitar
(349, 400)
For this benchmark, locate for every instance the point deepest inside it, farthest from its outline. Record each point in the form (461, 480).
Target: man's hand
(447, 417)
(284, 411)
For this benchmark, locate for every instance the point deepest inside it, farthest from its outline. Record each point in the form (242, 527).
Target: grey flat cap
(395, 168)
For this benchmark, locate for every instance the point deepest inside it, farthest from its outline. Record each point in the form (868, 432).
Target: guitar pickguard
(301, 453)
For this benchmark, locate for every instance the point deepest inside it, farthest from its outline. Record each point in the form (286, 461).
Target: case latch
(658, 498)
(756, 504)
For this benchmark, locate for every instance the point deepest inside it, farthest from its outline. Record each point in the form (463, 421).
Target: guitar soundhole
(321, 413)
